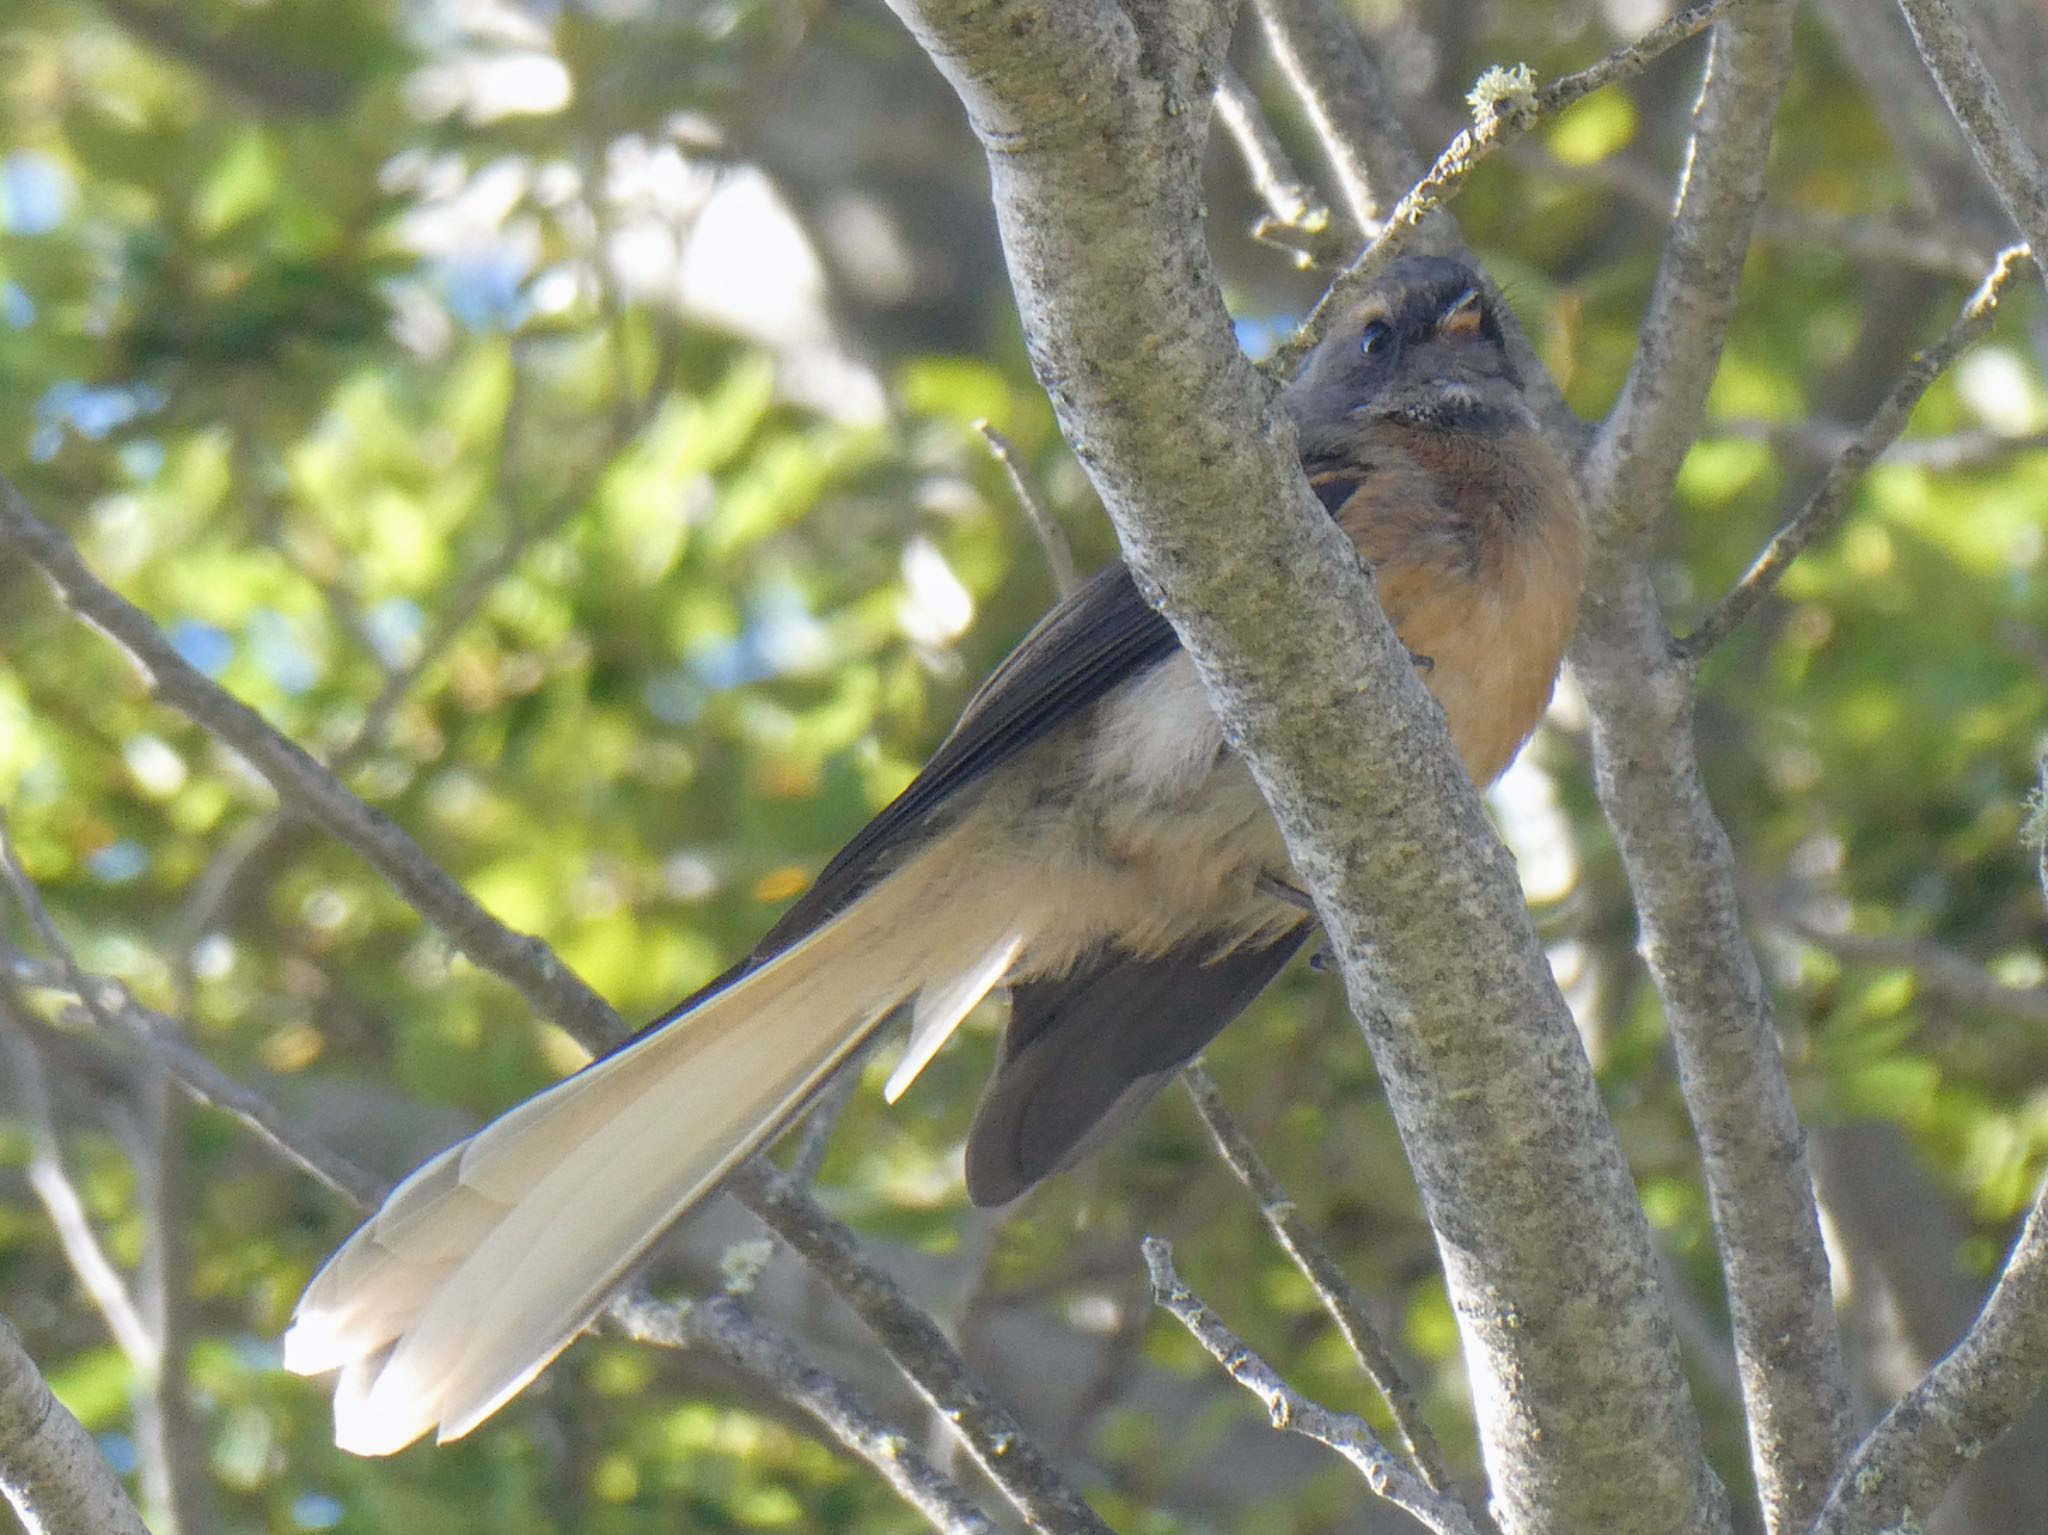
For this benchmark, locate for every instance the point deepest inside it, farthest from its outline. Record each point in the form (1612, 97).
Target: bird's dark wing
(1085, 1052)
(1104, 634)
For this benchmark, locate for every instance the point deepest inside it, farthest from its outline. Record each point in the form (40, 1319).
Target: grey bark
(50, 1470)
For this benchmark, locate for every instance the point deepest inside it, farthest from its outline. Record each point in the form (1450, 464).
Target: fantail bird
(1084, 837)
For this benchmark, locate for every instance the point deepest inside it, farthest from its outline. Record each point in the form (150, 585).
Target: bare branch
(51, 1471)
(1899, 1473)
(1296, 220)
(103, 1283)
(108, 1004)
(1637, 451)
(724, 1327)
(1937, 970)
(2001, 150)
(147, 1317)
(1347, 101)
(1950, 453)
(1332, 1286)
(1351, 1437)
(1682, 872)
(530, 967)
(992, 1436)
(1680, 866)
(169, 1435)
(1052, 538)
(1830, 499)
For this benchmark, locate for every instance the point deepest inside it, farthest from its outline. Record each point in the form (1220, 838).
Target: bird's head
(1424, 346)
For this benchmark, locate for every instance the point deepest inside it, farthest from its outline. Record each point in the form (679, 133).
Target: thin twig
(169, 1436)
(1951, 453)
(724, 1327)
(1296, 220)
(1351, 1437)
(2001, 150)
(102, 1282)
(529, 966)
(1348, 101)
(1333, 1287)
(1506, 105)
(1937, 970)
(992, 1436)
(1052, 538)
(1830, 499)
(209, 1085)
(108, 1004)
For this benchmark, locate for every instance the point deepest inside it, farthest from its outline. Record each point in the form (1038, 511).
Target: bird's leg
(1293, 895)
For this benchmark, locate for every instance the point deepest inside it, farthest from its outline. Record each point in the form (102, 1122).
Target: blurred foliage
(454, 384)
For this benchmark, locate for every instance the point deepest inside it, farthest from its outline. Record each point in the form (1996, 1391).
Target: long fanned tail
(483, 1264)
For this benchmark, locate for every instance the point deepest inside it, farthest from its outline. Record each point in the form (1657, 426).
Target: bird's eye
(1374, 337)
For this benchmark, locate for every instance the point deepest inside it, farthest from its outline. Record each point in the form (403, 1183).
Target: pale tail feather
(941, 1007)
(482, 1265)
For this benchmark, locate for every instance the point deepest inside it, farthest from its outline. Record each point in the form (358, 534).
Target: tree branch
(1347, 101)
(1351, 1437)
(108, 1004)
(1296, 219)
(992, 1436)
(1637, 451)
(104, 1284)
(529, 966)
(1679, 864)
(2000, 149)
(52, 1472)
(1333, 1287)
(1899, 1473)
(1830, 499)
(169, 1433)
(723, 1327)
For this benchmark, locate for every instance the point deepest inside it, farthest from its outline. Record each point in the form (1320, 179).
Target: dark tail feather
(1087, 1051)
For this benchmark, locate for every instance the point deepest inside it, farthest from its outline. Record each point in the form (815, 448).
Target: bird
(1085, 838)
